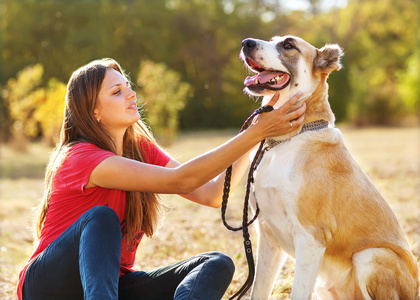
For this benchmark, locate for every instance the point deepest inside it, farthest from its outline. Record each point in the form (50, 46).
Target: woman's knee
(103, 217)
(102, 213)
(222, 262)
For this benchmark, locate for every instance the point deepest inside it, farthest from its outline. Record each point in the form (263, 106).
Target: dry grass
(391, 157)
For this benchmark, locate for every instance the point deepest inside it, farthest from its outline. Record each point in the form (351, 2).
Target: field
(390, 156)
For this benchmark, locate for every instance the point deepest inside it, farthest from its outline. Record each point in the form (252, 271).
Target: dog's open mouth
(267, 79)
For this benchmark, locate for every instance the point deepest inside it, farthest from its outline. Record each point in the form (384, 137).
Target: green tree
(200, 40)
(377, 53)
(164, 96)
(408, 85)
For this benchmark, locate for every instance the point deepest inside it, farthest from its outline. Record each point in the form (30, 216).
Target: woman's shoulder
(85, 146)
(81, 158)
(87, 150)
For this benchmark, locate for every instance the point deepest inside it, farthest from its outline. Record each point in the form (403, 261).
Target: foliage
(163, 95)
(34, 110)
(201, 40)
(50, 113)
(379, 53)
(23, 95)
(408, 83)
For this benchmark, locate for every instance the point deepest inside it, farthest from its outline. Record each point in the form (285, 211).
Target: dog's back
(353, 222)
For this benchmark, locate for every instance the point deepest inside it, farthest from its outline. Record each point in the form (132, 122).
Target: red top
(69, 199)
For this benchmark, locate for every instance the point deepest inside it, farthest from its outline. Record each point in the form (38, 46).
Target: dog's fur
(316, 204)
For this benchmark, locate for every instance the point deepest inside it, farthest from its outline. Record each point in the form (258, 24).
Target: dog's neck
(311, 126)
(317, 105)
(317, 108)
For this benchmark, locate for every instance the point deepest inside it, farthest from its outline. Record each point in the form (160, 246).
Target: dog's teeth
(274, 80)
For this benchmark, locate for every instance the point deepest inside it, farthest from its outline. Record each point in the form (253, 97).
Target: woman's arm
(210, 194)
(121, 173)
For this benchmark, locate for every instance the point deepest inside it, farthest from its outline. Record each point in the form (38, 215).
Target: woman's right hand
(282, 120)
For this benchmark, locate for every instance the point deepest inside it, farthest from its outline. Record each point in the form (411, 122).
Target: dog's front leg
(270, 259)
(308, 255)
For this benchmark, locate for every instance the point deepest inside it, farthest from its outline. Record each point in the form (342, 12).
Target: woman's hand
(282, 120)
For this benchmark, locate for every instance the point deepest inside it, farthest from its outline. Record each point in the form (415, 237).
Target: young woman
(101, 190)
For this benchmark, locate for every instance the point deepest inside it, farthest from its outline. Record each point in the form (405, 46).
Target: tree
(200, 40)
(377, 52)
(23, 95)
(163, 96)
(50, 113)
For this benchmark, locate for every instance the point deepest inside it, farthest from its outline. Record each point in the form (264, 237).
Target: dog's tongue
(251, 80)
(262, 77)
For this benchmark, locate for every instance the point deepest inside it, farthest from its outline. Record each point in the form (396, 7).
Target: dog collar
(312, 126)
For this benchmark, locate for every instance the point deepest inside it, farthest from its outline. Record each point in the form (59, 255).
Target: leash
(263, 147)
(245, 223)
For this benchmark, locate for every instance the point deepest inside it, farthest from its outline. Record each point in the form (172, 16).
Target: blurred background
(182, 57)
(183, 61)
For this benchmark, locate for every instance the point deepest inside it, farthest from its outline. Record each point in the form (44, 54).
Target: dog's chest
(276, 186)
(277, 168)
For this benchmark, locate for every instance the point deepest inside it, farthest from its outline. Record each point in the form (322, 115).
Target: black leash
(245, 223)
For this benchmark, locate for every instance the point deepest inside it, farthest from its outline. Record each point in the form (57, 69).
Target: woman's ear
(96, 115)
(328, 58)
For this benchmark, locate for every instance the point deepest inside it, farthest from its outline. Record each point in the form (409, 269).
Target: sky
(291, 5)
(304, 4)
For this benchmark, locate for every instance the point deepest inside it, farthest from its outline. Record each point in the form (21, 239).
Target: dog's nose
(249, 43)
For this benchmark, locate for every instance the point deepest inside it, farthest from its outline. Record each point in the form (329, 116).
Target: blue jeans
(84, 262)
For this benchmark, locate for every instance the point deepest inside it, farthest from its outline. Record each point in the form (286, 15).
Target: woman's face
(116, 106)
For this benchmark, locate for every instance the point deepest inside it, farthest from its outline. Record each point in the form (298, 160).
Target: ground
(390, 156)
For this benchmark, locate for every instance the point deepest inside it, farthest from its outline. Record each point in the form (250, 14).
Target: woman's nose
(131, 93)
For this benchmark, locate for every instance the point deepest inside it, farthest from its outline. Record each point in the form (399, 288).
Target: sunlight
(323, 5)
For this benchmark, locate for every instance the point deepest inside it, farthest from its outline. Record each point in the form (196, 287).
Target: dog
(316, 204)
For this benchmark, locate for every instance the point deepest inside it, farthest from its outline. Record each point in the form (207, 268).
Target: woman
(100, 197)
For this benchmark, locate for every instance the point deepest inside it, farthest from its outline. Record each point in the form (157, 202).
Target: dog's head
(289, 64)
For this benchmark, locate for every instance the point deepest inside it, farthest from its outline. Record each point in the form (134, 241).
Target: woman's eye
(117, 92)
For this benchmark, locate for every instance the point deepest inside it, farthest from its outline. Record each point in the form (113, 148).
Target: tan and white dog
(316, 204)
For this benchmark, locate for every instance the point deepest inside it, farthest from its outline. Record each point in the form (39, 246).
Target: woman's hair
(80, 125)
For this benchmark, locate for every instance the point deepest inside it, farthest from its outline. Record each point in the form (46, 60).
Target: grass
(390, 156)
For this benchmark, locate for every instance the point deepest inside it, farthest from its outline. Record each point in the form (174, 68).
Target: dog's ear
(328, 58)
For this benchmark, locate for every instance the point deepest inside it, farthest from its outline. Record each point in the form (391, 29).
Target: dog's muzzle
(266, 78)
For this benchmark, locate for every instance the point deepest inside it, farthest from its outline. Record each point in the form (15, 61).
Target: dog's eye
(288, 45)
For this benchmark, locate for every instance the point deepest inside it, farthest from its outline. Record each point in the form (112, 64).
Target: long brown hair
(80, 125)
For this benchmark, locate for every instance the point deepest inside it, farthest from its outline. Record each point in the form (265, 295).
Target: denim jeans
(84, 261)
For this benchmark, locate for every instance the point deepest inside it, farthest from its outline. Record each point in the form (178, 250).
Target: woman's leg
(82, 263)
(205, 276)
